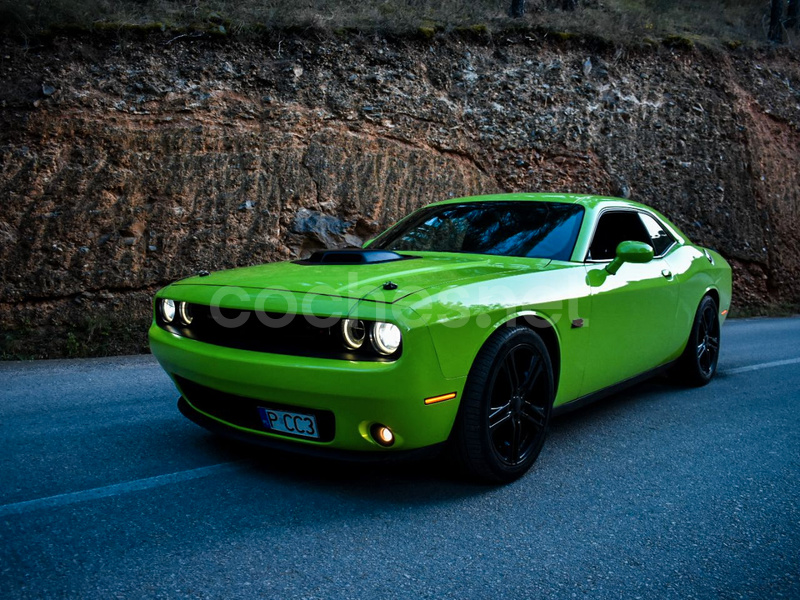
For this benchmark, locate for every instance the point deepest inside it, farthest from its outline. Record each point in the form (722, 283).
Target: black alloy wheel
(708, 341)
(517, 413)
(698, 364)
(505, 411)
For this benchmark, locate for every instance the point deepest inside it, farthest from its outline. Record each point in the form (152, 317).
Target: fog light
(168, 310)
(383, 435)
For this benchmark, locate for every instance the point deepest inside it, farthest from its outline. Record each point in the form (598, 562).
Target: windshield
(530, 229)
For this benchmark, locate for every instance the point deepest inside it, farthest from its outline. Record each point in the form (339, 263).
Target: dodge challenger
(466, 325)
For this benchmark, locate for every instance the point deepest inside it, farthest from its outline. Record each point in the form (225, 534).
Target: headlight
(168, 310)
(386, 337)
(354, 333)
(185, 313)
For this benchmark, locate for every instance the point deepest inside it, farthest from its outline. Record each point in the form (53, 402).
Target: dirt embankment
(129, 163)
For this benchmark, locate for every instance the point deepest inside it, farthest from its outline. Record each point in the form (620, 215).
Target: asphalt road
(659, 492)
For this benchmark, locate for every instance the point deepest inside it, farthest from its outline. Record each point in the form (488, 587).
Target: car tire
(505, 409)
(698, 363)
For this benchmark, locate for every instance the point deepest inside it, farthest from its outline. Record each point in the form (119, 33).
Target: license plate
(288, 422)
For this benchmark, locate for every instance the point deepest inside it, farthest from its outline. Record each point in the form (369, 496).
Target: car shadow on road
(621, 404)
(411, 481)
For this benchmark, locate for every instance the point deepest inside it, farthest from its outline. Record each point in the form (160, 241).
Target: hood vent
(355, 256)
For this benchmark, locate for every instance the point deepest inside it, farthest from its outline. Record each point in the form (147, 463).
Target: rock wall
(128, 163)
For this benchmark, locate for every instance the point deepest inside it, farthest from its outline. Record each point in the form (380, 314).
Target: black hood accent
(352, 256)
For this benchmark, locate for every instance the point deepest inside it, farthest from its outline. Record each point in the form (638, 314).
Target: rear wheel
(698, 364)
(505, 411)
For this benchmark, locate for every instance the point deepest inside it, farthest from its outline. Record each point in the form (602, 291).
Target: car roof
(587, 201)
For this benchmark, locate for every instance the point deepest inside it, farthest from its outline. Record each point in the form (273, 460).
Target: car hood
(366, 281)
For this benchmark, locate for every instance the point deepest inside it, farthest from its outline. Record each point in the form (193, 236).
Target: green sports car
(467, 324)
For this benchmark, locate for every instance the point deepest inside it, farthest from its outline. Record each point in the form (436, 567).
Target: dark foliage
(792, 14)
(775, 25)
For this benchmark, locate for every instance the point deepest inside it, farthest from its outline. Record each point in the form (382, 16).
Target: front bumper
(318, 450)
(358, 393)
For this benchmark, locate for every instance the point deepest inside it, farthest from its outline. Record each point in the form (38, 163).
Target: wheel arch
(714, 293)
(471, 440)
(546, 330)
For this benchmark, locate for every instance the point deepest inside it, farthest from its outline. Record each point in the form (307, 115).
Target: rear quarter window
(661, 239)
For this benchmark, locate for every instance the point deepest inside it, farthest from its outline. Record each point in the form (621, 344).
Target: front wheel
(698, 363)
(505, 410)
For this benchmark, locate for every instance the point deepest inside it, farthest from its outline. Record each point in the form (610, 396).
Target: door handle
(667, 273)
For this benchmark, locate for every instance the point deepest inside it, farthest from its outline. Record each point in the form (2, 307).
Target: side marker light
(441, 398)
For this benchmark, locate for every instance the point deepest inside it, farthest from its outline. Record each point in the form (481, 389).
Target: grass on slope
(728, 21)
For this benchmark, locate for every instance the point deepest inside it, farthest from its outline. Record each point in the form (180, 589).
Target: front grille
(242, 411)
(296, 335)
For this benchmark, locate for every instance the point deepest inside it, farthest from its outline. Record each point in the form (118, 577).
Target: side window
(661, 240)
(614, 228)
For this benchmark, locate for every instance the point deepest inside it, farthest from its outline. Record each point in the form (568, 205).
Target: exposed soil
(128, 163)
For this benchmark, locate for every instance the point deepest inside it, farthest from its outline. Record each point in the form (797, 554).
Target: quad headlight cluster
(171, 309)
(384, 337)
(346, 338)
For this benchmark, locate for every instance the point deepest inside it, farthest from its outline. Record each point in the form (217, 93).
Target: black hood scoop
(351, 256)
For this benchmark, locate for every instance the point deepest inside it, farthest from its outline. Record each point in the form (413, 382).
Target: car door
(632, 312)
